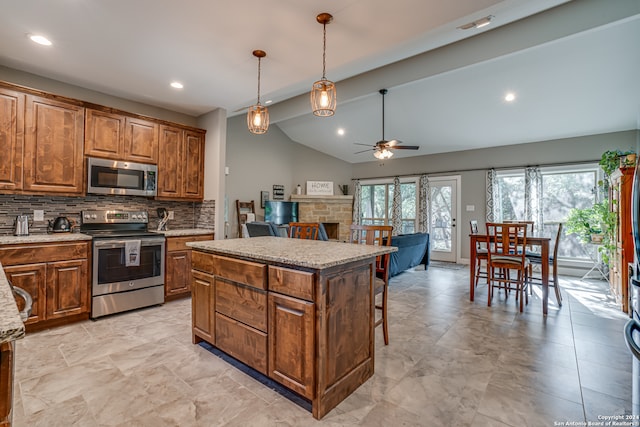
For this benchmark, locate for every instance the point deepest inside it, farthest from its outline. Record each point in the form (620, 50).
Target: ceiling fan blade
(364, 151)
(393, 143)
(406, 147)
(366, 145)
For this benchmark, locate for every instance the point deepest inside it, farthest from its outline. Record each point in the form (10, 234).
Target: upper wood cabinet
(53, 147)
(11, 138)
(181, 164)
(118, 137)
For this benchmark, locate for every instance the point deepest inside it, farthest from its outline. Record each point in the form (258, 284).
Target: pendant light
(258, 115)
(323, 92)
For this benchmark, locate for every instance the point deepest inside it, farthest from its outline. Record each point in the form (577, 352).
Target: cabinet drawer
(202, 262)
(243, 303)
(179, 243)
(246, 272)
(28, 254)
(246, 344)
(298, 284)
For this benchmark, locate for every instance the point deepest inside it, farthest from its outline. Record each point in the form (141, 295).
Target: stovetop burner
(115, 224)
(124, 233)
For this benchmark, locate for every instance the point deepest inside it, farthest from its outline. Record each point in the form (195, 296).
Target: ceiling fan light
(258, 115)
(323, 98)
(258, 119)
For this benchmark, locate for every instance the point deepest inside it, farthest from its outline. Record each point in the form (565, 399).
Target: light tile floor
(450, 362)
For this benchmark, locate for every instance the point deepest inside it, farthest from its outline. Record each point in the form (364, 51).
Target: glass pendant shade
(258, 115)
(382, 154)
(258, 119)
(323, 92)
(323, 98)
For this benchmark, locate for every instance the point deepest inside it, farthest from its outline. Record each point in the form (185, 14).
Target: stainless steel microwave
(121, 178)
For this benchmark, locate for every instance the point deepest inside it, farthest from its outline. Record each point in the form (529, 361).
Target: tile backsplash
(186, 214)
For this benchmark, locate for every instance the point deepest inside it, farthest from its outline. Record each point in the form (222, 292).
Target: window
(563, 188)
(376, 203)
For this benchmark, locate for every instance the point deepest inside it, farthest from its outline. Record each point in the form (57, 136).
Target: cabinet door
(104, 134)
(53, 147)
(292, 343)
(67, 288)
(141, 141)
(6, 382)
(31, 278)
(178, 273)
(11, 139)
(170, 163)
(202, 307)
(193, 166)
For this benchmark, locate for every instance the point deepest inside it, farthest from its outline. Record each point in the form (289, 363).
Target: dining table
(538, 241)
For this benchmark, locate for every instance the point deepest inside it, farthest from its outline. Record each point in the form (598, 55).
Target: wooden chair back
(304, 230)
(242, 209)
(507, 241)
(379, 235)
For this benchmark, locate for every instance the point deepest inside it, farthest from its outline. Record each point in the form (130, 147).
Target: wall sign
(320, 188)
(278, 192)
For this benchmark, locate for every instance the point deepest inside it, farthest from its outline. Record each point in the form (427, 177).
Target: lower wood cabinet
(177, 283)
(59, 284)
(6, 383)
(203, 307)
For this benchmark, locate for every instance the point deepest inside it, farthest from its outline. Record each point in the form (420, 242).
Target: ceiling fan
(382, 149)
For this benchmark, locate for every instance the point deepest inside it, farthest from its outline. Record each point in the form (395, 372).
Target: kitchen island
(299, 311)
(11, 329)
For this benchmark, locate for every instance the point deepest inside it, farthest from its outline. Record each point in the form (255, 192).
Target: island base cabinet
(292, 343)
(202, 307)
(243, 342)
(6, 383)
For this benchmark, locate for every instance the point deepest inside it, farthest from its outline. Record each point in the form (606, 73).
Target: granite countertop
(11, 326)
(304, 253)
(185, 232)
(43, 238)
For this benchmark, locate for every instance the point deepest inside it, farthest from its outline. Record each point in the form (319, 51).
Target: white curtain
(357, 195)
(533, 197)
(396, 210)
(491, 185)
(423, 209)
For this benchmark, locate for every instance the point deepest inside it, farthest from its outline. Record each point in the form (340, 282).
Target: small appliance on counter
(61, 224)
(21, 225)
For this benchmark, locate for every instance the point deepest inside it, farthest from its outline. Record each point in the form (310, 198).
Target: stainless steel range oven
(128, 261)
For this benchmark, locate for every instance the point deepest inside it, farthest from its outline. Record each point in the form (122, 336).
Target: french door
(443, 206)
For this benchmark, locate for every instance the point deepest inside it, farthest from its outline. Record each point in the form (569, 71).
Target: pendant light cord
(259, 62)
(324, 49)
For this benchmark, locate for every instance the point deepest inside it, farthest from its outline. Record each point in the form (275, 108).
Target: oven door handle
(121, 243)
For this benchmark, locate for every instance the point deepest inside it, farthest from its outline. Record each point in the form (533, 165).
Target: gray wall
(257, 162)
(472, 165)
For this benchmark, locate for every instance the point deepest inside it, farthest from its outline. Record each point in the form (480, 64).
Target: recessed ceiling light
(177, 85)
(40, 39)
(340, 131)
(510, 97)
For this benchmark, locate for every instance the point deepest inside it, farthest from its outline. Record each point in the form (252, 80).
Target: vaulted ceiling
(572, 66)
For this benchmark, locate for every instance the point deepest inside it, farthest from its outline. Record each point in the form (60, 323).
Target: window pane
(408, 200)
(379, 205)
(510, 197)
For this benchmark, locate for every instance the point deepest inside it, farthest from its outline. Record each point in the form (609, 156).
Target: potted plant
(614, 159)
(596, 224)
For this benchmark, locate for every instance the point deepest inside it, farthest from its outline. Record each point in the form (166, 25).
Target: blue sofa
(413, 250)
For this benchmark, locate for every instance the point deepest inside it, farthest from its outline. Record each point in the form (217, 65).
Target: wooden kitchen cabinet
(292, 343)
(11, 139)
(181, 164)
(116, 136)
(202, 307)
(53, 147)
(177, 282)
(59, 283)
(6, 382)
(621, 183)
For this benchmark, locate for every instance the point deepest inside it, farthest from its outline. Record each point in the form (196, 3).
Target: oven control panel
(114, 217)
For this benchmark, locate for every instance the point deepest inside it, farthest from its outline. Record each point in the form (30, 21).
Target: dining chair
(536, 259)
(481, 255)
(304, 230)
(506, 244)
(379, 235)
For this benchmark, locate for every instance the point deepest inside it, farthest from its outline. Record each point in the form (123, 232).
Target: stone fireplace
(335, 212)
